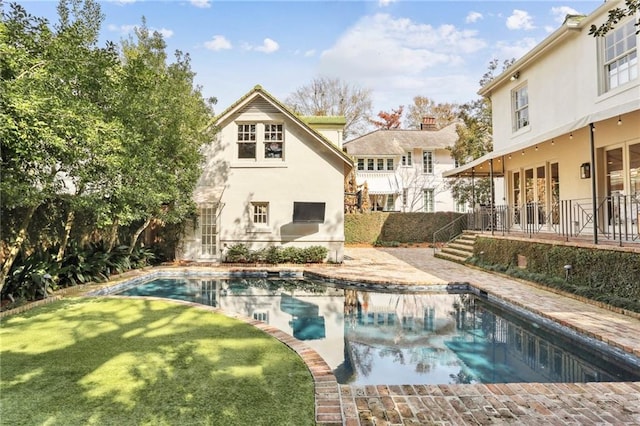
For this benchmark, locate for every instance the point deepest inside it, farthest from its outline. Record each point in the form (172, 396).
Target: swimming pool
(439, 335)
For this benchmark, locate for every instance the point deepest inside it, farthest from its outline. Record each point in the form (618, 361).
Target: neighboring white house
(269, 179)
(566, 132)
(403, 168)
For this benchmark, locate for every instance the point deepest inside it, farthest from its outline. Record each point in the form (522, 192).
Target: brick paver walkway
(521, 404)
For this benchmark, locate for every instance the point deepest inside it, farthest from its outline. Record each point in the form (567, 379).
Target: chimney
(428, 123)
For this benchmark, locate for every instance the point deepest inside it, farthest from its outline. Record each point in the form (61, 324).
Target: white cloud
(520, 20)
(128, 29)
(218, 42)
(203, 4)
(310, 53)
(268, 46)
(515, 50)
(560, 13)
(473, 17)
(384, 3)
(398, 57)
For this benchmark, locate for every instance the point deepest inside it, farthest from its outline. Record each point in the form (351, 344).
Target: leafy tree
(474, 141)
(389, 120)
(444, 113)
(167, 121)
(334, 97)
(630, 8)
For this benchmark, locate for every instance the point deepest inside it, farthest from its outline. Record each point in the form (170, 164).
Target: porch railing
(617, 218)
(450, 231)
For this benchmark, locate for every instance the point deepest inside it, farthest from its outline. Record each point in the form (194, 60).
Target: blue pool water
(429, 337)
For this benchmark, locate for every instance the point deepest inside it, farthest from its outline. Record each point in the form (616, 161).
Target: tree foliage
(444, 113)
(334, 97)
(615, 15)
(105, 134)
(389, 120)
(474, 141)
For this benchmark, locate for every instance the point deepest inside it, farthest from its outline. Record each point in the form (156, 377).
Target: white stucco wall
(308, 172)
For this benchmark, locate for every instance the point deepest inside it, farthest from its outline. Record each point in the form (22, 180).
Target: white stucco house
(403, 168)
(270, 177)
(566, 133)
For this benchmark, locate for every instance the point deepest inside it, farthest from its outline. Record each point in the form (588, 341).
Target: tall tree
(389, 120)
(51, 126)
(474, 141)
(332, 96)
(168, 121)
(444, 113)
(630, 8)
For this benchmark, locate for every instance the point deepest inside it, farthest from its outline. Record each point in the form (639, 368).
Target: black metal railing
(617, 218)
(450, 231)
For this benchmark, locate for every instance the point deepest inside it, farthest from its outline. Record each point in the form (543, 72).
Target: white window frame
(520, 105)
(273, 141)
(361, 164)
(390, 164)
(406, 159)
(371, 164)
(390, 204)
(429, 202)
(620, 56)
(427, 162)
(379, 163)
(208, 231)
(260, 214)
(247, 135)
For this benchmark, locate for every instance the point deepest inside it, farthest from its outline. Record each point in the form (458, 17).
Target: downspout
(593, 183)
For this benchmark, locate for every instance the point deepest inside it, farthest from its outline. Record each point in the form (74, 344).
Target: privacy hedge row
(608, 276)
(386, 227)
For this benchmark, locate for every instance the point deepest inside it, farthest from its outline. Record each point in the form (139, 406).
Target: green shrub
(608, 276)
(240, 253)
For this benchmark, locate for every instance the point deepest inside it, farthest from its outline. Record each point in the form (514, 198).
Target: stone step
(457, 244)
(451, 257)
(460, 253)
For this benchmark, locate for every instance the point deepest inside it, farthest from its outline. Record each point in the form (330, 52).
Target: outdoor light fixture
(553, 142)
(571, 135)
(515, 76)
(567, 271)
(585, 171)
(619, 121)
(536, 147)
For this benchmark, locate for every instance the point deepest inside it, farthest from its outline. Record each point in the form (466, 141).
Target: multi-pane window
(620, 56)
(380, 163)
(405, 197)
(406, 158)
(360, 163)
(520, 107)
(429, 203)
(260, 213)
(208, 231)
(390, 165)
(427, 162)
(391, 203)
(273, 140)
(246, 141)
(370, 164)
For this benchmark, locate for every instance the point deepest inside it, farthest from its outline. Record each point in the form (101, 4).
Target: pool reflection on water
(371, 338)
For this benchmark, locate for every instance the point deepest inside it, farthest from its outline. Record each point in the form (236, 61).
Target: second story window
(406, 159)
(360, 163)
(380, 163)
(370, 164)
(390, 165)
(427, 162)
(273, 140)
(520, 108)
(620, 56)
(246, 141)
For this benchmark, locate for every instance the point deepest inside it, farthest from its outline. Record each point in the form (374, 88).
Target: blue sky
(397, 49)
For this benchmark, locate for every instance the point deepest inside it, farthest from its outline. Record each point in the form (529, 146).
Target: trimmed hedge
(386, 228)
(608, 276)
(240, 253)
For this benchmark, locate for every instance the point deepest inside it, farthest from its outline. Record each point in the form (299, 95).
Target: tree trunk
(113, 236)
(17, 244)
(139, 231)
(65, 238)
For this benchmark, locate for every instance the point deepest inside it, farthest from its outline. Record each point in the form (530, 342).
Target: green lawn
(133, 362)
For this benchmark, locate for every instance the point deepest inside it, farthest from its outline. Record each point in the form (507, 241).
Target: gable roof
(259, 94)
(397, 142)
